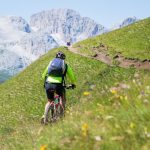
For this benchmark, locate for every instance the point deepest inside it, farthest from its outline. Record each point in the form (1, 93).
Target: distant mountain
(66, 23)
(21, 43)
(124, 23)
(38, 44)
(13, 28)
(13, 58)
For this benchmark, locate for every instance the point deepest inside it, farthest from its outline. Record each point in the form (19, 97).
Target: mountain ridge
(20, 40)
(28, 41)
(125, 22)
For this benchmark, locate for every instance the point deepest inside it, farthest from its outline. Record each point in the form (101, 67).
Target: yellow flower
(117, 138)
(86, 93)
(85, 129)
(109, 117)
(67, 112)
(113, 91)
(121, 97)
(134, 81)
(126, 98)
(132, 125)
(43, 147)
(145, 130)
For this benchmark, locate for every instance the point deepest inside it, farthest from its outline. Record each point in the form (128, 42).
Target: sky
(105, 12)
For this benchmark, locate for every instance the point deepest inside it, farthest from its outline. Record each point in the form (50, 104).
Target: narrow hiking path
(120, 60)
(102, 57)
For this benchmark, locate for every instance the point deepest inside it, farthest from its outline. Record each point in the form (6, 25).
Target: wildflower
(132, 125)
(126, 98)
(109, 117)
(145, 101)
(145, 130)
(139, 83)
(142, 92)
(86, 93)
(134, 81)
(98, 138)
(67, 112)
(98, 104)
(125, 86)
(103, 91)
(117, 138)
(121, 97)
(43, 147)
(139, 96)
(113, 91)
(117, 96)
(129, 132)
(40, 130)
(117, 126)
(136, 75)
(148, 135)
(92, 87)
(148, 87)
(85, 129)
(59, 130)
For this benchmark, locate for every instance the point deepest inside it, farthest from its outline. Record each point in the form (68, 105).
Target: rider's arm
(71, 75)
(45, 72)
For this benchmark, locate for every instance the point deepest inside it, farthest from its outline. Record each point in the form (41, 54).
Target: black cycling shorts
(52, 88)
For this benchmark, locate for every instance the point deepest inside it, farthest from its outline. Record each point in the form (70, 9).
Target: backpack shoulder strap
(66, 67)
(63, 78)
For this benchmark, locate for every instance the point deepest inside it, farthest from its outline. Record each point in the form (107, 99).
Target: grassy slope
(132, 41)
(98, 119)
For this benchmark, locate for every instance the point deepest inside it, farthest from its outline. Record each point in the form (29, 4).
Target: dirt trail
(122, 61)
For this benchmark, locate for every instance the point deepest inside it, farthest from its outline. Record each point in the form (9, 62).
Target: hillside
(132, 42)
(109, 109)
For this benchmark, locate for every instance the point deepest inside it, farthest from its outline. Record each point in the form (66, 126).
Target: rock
(116, 56)
(95, 55)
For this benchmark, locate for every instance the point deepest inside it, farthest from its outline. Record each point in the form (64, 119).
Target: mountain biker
(68, 43)
(54, 82)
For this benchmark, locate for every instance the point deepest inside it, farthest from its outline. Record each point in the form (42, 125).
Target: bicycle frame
(56, 107)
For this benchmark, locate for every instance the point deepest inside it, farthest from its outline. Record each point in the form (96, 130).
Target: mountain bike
(56, 109)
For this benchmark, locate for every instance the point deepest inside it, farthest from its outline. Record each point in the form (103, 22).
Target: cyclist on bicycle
(54, 76)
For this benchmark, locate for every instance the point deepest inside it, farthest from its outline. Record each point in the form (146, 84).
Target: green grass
(109, 109)
(132, 41)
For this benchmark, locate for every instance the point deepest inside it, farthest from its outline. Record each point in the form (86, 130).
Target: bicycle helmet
(60, 55)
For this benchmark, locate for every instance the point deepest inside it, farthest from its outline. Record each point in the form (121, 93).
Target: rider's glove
(73, 86)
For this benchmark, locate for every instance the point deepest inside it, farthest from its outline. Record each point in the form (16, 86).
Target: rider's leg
(47, 108)
(60, 91)
(50, 96)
